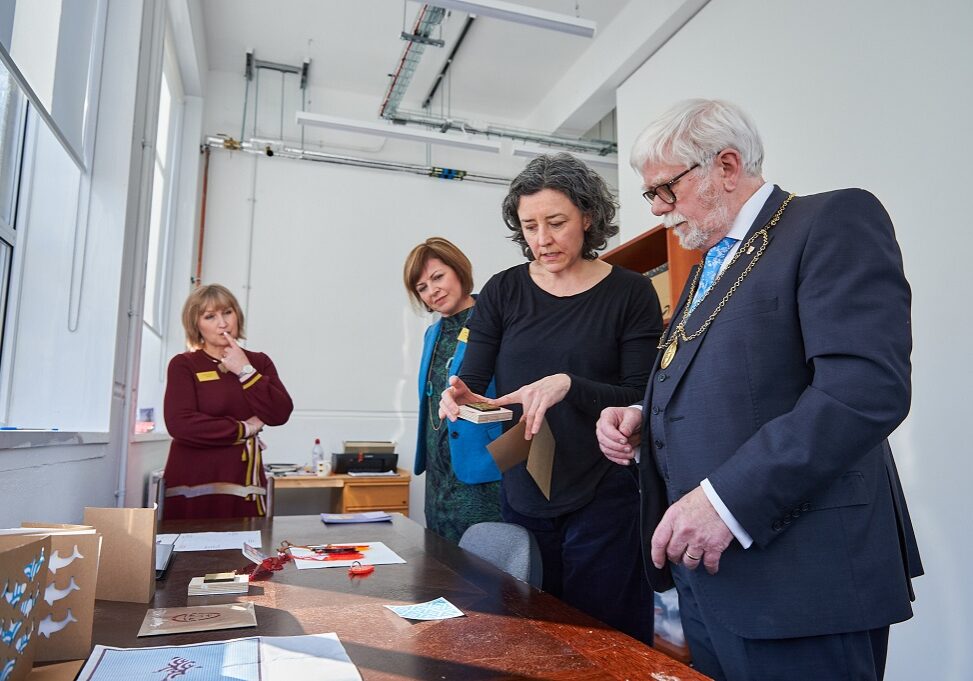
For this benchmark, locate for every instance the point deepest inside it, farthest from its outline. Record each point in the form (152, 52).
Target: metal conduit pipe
(266, 147)
(591, 146)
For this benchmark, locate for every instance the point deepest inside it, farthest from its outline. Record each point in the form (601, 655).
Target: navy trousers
(592, 556)
(716, 652)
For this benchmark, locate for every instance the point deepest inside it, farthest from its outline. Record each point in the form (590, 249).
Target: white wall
(872, 94)
(325, 297)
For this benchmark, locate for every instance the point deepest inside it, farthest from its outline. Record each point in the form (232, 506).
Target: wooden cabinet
(655, 250)
(353, 494)
(374, 494)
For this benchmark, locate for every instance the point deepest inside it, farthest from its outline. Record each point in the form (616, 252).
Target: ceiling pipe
(449, 61)
(278, 148)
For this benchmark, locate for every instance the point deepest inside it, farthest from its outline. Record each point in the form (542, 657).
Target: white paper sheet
(166, 538)
(376, 554)
(318, 657)
(216, 541)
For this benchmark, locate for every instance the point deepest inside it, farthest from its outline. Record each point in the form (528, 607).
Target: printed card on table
(159, 621)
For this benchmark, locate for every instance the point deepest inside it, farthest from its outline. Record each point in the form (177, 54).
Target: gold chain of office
(671, 344)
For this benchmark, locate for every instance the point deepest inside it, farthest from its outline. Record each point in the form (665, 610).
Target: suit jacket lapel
(687, 351)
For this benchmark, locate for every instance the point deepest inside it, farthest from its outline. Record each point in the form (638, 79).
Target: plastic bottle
(318, 464)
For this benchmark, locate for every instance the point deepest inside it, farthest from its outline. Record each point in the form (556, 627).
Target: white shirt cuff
(638, 450)
(735, 527)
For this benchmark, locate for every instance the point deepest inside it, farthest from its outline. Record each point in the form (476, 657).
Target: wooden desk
(354, 494)
(510, 631)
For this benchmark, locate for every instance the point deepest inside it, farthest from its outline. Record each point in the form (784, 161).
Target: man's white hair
(695, 131)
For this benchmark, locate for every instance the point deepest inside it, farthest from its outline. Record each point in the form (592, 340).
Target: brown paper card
(60, 671)
(540, 463)
(127, 572)
(68, 608)
(160, 621)
(23, 578)
(511, 448)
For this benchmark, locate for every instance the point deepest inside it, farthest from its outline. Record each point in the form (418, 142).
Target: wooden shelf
(654, 248)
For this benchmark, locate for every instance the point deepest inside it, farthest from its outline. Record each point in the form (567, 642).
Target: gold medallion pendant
(669, 353)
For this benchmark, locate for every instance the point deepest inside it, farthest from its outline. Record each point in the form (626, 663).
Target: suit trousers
(592, 556)
(717, 652)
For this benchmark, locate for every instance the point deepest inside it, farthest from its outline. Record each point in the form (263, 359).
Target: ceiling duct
(427, 20)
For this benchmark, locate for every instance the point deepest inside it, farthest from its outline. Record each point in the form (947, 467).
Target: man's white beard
(695, 235)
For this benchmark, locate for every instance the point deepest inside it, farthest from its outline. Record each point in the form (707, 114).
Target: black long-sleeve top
(603, 338)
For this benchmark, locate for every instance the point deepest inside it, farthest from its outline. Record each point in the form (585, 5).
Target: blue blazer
(785, 403)
(471, 461)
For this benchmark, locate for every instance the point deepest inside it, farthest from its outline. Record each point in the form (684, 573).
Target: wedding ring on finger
(691, 556)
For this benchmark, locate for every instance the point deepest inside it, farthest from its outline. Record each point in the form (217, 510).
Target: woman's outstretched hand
(537, 398)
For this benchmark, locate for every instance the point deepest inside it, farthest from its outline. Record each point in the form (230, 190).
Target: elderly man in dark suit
(762, 441)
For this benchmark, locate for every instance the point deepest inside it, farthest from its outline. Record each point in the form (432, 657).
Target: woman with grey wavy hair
(695, 131)
(563, 336)
(584, 187)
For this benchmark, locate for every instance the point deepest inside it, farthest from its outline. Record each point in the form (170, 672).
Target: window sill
(24, 439)
(152, 436)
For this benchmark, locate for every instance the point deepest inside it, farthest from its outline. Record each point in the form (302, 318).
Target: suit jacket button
(659, 444)
(662, 377)
(655, 409)
(454, 434)
(777, 526)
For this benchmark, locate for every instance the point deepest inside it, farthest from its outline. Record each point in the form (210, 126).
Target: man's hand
(691, 532)
(537, 398)
(619, 433)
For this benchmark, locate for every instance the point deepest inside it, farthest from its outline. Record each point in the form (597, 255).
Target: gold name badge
(464, 335)
(203, 376)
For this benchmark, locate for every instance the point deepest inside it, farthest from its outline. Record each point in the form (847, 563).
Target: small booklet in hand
(481, 412)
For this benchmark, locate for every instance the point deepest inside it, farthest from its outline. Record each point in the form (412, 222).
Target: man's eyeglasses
(664, 190)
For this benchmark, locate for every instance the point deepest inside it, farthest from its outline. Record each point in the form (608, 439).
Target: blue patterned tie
(711, 267)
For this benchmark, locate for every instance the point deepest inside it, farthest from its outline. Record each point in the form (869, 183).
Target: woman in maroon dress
(218, 399)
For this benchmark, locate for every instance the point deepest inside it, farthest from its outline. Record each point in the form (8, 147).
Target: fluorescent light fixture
(610, 161)
(393, 131)
(519, 14)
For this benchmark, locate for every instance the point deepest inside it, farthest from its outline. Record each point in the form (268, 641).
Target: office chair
(509, 547)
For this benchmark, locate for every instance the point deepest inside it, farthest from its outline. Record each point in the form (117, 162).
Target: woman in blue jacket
(462, 481)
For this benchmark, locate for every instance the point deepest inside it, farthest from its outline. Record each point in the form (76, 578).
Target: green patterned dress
(451, 505)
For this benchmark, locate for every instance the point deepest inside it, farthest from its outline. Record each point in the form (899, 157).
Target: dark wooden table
(510, 631)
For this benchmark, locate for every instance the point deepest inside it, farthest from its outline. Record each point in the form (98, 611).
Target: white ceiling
(501, 73)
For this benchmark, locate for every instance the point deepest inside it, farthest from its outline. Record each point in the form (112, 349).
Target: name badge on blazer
(464, 335)
(203, 376)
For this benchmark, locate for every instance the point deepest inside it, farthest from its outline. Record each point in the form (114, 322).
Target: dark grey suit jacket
(785, 404)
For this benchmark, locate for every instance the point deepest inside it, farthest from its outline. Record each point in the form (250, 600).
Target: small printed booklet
(159, 621)
(481, 412)
(367, 517)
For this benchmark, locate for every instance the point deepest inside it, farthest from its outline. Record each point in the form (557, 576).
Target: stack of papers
(240, 584)
(483, 413)
(367, 517)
